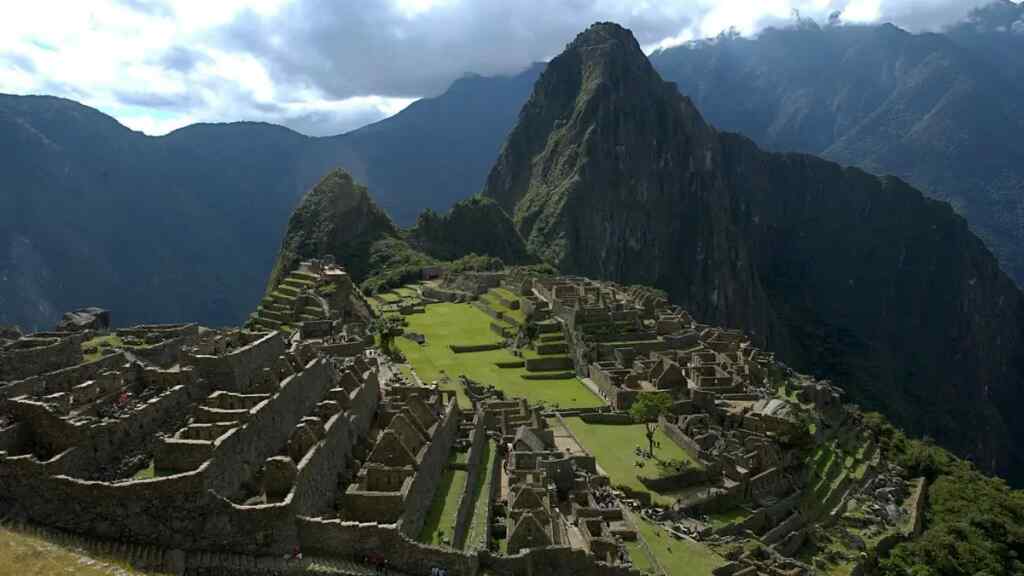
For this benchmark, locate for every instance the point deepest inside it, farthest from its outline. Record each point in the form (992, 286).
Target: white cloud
(320, 67)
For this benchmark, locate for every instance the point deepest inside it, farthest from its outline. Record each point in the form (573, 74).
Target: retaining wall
(428, 475)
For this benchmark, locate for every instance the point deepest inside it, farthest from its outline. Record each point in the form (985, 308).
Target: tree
(383, 329)
(647, 409)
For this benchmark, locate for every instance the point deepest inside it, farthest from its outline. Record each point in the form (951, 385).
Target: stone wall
(185, 510)
(358, 540)
(475, 467)
(463, 349)
(552, 560)
(676, 435)
(164, 353)
(236, 371)
(548, 363)
(428, 475)
(39, 354)
(611, 418)
(59, 380)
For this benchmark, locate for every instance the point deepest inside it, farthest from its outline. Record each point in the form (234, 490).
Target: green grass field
(439, 526)
(490, 299)
(641, 561)
(446, 324)
(678, 557)
(27, 555)
(613, 447)
(102, 346)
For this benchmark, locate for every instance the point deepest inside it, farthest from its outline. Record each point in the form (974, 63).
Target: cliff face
(941, 111)
(611, 173)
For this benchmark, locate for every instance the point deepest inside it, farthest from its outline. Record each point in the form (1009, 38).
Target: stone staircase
(345, 567)
(290, 303)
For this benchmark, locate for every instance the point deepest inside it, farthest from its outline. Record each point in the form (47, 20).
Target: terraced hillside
(541, 375)
(293, 300)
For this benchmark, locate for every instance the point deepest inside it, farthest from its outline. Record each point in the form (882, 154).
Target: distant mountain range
(185, 226)
(943, 111)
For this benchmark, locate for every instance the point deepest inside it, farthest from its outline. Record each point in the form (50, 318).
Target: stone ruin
(225, 451)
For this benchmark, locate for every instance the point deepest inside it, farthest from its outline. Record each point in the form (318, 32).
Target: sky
(324, 67)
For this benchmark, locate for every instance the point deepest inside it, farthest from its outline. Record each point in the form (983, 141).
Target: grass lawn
(641, 561)
(439, 526)
(389, 297)
(26, 555)
(492, 301)
(146, 473)
(102, 344)
(678, 557)
(445, 324)
(720, 519)
(613, 446)
(407, 292)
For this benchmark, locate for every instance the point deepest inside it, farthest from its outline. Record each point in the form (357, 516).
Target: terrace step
(548, 375)
(553, 348)
(303, 276)
(276, 315)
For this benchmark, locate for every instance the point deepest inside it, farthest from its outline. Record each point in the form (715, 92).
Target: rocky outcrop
(610, 172)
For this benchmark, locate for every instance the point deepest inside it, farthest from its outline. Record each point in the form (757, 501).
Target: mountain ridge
(859, 277)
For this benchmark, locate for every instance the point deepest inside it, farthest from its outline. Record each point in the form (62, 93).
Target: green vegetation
(719, 519)
(613, 446)
(26, 555)
(678, 556)
(393, 263)
(647, 409)
(491, 300)
(475, 263)
(100, 346)
(641, 560)
(974, 523)
(440, 523)
(446, 324)
(146, 473)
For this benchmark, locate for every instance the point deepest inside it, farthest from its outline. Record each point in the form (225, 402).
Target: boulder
(85, 319)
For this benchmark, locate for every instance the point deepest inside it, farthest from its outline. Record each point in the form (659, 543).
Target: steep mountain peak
(611, 173)
(599, 105)
(604, 34)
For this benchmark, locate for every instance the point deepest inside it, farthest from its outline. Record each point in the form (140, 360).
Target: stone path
(344, 567)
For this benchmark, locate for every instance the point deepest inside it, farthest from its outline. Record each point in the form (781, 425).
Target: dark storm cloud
(369, 47)
(364, 47)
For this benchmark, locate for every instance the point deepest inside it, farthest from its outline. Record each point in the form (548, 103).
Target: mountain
(339, 218)
(336, 217)
(185, 226)
(611, 173)
(942, 111)
(438, 150)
